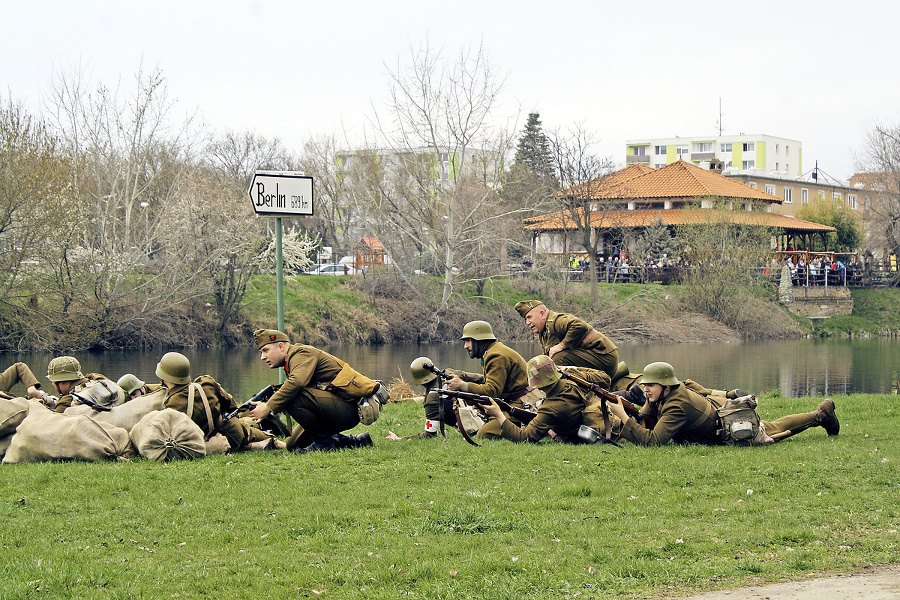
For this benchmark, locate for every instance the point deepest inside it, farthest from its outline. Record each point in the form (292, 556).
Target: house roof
(675, 180)
(676, 216)
(371, 243)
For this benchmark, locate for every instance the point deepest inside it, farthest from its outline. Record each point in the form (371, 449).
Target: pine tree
(533, 151)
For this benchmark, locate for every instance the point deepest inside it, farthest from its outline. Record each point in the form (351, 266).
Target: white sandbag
(48, 436)
(12, 412)
(124, 415)
(168, 435)
(218, 444)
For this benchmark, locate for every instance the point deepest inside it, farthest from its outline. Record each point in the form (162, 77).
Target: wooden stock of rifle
(607, 396)
(525, 416)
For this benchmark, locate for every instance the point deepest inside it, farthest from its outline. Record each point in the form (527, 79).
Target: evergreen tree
(533, 152)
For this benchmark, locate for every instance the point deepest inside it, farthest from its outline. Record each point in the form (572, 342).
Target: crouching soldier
(174, 370)
(437, 409)
(64, 372)
(314, 394)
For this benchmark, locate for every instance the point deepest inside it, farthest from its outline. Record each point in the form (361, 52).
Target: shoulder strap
(190, 404)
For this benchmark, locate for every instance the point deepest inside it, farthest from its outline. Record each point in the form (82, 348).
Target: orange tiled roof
(675, 216)
(675, 180)
(372, 243)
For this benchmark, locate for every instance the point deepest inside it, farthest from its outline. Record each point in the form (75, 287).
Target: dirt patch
(881, 582)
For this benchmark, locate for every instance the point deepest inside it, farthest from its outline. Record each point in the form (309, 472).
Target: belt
(590, 335)
(515, 395)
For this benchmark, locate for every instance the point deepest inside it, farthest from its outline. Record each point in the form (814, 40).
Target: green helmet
(420, 374)
(129, 383)
(478, 330)
(64, 368)
(660, 372)
(542, 371)
(174, 367)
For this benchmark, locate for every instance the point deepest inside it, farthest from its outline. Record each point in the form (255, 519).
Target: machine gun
(522, 415)
(607, 396)
(260, 396)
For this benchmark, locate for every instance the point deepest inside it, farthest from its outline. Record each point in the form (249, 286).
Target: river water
(793, 367)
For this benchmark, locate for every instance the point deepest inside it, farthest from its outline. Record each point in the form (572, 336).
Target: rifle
(525, 416)
(442, 377)
(91, 403)
(260, 396)
(607, 396)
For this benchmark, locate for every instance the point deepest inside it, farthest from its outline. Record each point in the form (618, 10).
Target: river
(793, 367)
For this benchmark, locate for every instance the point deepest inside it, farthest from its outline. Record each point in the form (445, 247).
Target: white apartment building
(764, 153)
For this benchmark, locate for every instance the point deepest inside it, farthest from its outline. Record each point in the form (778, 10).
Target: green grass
(441, 519)
(875, 312)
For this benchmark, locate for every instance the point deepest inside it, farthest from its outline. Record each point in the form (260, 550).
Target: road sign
(281, 193)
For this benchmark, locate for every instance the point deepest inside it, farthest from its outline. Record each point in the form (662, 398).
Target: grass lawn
(433, 519)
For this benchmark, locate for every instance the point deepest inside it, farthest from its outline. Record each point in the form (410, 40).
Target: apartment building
(743, 152)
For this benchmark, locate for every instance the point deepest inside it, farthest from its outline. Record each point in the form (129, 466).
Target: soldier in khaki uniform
(64, 372)
(561, 411)
(437, 409)
(20, 373)
(684, 416)
(134, 387)
(504, 375)
(174, 370)
(569, 340)
(321, 414)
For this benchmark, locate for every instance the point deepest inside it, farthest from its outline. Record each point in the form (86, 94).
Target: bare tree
(881, 164)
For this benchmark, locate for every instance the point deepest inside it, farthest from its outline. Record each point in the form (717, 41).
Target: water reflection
(793, 367)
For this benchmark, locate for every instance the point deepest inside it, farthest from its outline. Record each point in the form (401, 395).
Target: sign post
(278, 194)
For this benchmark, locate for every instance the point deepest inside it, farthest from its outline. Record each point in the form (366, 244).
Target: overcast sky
(820, 72)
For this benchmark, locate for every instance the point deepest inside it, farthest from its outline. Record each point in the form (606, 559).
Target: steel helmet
(542, 371)
(64, 368)
(478, 330)
(174, 367)
(420, 374)
(129, 382)
(660, 372)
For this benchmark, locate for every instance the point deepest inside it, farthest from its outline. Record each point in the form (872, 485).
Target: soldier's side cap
(525, 306)
(267, 336)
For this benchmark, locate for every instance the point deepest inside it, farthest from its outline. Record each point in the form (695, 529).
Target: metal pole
(279, 282)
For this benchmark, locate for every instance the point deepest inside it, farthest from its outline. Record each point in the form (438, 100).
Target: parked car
(332, 269)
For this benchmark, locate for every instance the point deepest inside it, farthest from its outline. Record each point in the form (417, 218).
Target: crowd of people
(576, 391)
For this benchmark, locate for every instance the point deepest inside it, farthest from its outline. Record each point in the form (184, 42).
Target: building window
(851, 201)
(776, 167)
(703, 147)
(752, 184)
(776, 148)
(748, 164)
(836, 195)
(804, 196)
(726, 147)
(788, 195)
(659, 150)
(679, 150)
(749, 146)
(770, 189)
(787, 150)
(640, 150)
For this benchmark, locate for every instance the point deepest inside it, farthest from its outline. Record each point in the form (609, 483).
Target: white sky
(818, 71)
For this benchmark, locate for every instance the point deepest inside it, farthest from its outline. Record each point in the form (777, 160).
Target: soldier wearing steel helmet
(174, 370)
(64, 372)
(685, 416)
(561, 412)
(134, 387)
(437, 409)
(503, 376)
(569, 340)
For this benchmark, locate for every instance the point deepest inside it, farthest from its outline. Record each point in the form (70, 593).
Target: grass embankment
(876, 312)
(436, 518)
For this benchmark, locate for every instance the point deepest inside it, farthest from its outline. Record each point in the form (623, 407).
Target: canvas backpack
(739, 423)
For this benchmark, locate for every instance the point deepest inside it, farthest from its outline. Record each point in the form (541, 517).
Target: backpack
(740, 424)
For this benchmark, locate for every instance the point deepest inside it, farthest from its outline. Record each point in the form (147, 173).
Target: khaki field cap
(129, 383)
(421, 375)
(64, 368)
(174, 368)
(478, 330)
(524, 307)
(659, 372)
(542, 371)
(268, 336)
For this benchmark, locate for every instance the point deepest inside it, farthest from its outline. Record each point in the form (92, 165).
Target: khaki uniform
(688, 417)
(220, 402)
(66, 401)
(318, 413)
(585, 346)
(561, 411)
(18, 373)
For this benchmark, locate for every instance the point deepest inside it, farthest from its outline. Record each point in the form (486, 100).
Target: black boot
(735, 394)
(635, 395)
(345, 440)
(324, 443)
(826, 418)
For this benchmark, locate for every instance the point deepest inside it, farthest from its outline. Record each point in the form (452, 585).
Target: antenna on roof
(719, 122)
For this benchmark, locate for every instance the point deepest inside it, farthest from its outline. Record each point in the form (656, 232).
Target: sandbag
(45, 435)
(168, 434)
(5, 441)
(125, 415)
(218, 444)
(12, 412)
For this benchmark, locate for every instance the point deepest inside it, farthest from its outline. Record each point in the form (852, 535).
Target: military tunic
(560, 411)
(585, 346)
(318, 413)
(18, 373)
(220, 402)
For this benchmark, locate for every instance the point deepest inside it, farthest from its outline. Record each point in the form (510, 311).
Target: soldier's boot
(344, 440)
(323, 443)
(635, 395)
(826, 418)
(735, 394)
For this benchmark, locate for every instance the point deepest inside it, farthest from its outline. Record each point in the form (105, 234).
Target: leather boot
(344, 440)
(735, 394)
(635, 395)
(324, 443)
(826, 418)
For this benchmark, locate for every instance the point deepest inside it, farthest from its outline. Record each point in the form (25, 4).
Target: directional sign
(280, 193)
